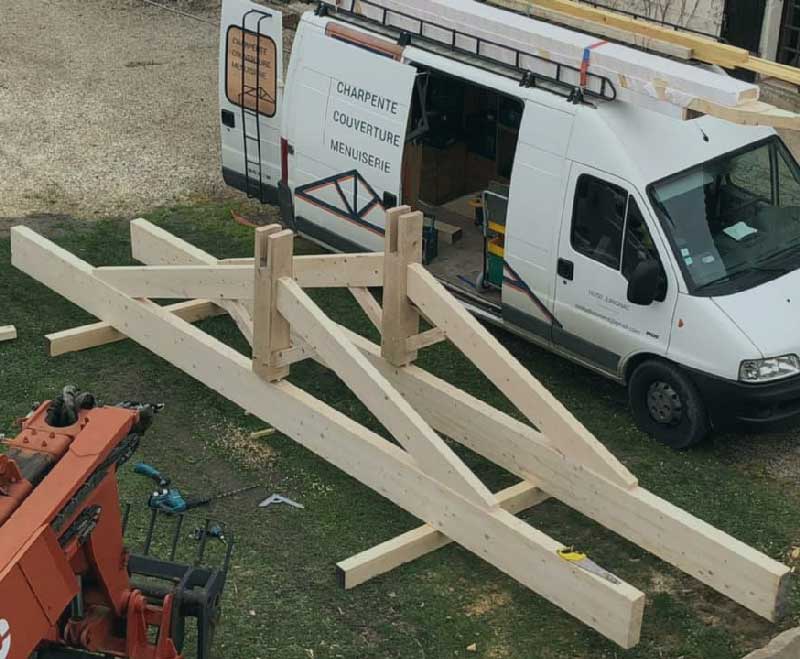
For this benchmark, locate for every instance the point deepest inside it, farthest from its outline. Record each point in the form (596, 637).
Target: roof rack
(595, 86)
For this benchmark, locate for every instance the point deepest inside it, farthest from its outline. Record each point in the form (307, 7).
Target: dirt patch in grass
(488, 603)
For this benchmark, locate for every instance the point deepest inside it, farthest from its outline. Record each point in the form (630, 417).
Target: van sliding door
(348, 108)
(250, 87)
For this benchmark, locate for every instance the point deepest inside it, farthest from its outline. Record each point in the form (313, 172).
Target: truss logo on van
(346, 195)
(513, 280)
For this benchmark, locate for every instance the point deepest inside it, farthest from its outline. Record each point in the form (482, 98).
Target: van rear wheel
(667, 405)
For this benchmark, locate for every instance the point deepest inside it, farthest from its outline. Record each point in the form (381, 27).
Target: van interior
(457, 164)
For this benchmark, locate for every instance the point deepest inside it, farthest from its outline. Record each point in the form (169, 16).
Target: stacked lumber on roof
(644, 79)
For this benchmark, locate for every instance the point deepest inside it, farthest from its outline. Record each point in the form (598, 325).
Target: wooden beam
(7, 333)
(98, 334)
(425, 339)
(524, 553)
(529, 396)
(297, 353)
(331, 270)
(426, 447)
(271, 333)
(423, 540)
(235, 282)
(369, 305)
(729, 566)
(754, 113)
(403, 245)
(154, 246)
(187, 282)
(704, 49)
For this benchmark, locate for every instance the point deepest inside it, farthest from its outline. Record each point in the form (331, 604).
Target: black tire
(667, 405)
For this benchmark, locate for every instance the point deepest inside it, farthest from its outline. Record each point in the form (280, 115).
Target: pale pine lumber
(402, 246)
(426, 447)
(154, 246)
(754, 113)
(710, 555)
(511, 378)
(298, 352)
(369, 305)
(271, 332)
(488, 23)
(7, 333)
(526, 554)
(423, 540)
(425, 339)
(98, 334)
(331, 270)
(704, 49)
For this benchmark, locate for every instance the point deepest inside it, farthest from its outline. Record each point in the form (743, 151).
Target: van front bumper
(731, 403)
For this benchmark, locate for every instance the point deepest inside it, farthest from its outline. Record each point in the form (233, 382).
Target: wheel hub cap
(664, 404)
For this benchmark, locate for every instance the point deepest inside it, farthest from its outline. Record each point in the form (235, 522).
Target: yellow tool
(582, 561)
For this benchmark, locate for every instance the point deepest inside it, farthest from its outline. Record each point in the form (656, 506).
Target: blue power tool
(170, 500)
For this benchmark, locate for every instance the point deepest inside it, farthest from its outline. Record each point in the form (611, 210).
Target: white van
(662, 253)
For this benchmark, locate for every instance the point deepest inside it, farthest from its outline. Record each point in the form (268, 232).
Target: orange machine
(66, 585)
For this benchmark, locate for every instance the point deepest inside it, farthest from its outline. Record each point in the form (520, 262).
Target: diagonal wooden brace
(426, 447)
(529, 396)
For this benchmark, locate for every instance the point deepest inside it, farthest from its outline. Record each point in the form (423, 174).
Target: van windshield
(734, 221)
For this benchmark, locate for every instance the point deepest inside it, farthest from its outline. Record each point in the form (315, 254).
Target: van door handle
(565, 269)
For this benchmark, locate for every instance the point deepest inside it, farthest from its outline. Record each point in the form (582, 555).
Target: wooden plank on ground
(423, 540)
(426, 447)
(98, 334)
(710, 555)
(511, 378)
(7, 333)
(524, 553)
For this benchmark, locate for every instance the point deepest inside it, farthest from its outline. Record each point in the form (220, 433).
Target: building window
(257, 55)
(789, 48)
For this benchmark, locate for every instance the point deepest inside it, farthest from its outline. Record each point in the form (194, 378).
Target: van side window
(638, 243)
(598, 218)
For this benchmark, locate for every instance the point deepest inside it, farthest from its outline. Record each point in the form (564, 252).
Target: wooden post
(403, 245)
(271, 333)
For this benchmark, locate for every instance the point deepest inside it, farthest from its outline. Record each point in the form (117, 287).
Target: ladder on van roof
(561, 56)
(596, 86)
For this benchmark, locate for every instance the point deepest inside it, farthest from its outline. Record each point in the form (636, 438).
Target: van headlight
(771, 368)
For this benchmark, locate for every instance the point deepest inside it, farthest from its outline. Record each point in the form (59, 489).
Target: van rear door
(250, 90)
(347, 114)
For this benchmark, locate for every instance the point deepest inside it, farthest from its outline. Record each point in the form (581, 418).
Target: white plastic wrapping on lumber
(644, 73)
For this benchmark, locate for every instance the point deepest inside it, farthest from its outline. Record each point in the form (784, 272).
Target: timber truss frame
(560, 458)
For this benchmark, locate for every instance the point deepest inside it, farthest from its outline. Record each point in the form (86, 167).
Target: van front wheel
(667, 405)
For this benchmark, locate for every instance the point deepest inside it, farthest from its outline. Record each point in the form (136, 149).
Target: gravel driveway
(106, 107)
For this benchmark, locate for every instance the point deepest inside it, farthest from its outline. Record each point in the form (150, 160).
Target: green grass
(282, 599)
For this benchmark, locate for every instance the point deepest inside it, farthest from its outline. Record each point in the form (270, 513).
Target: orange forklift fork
(66, 586)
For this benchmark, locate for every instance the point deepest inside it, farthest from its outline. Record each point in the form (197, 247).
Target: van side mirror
(646, 283)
